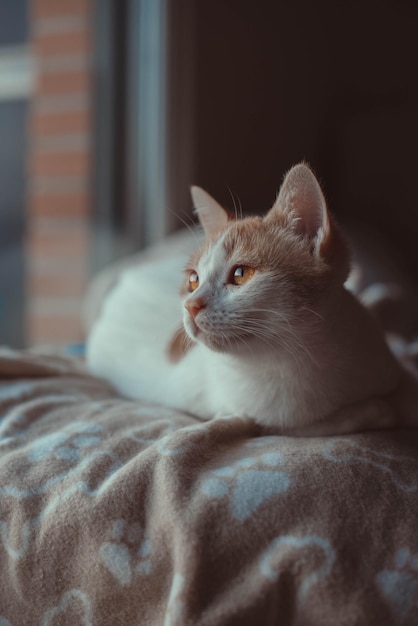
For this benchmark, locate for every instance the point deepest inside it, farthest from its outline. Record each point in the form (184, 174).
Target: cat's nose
(194, 306)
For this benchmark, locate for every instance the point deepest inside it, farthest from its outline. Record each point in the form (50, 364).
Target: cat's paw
(243, 421)
(223, 415)
(228, 416)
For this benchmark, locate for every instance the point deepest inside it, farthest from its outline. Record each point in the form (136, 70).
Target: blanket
(115, 512)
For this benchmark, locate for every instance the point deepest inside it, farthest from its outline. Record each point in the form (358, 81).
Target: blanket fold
(119, 512)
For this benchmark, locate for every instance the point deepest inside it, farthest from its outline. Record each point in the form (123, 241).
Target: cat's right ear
(211, 215)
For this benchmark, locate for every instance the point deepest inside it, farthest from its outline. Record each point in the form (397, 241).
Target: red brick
(56, 286)
(68, 82)
(75, 42)
(42, 124)
(52, 8)
(59, 204)
(53, 330)
(59, 164)
(58, 245)
(58, 261)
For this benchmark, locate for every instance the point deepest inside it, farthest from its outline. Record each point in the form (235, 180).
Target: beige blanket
(121, 513)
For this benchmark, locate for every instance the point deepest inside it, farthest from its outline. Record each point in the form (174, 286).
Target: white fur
(349, 362)
(262, 350)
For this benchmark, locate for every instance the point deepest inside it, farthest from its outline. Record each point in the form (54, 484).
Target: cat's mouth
(193, 329)
(212, 338)
(197, 332)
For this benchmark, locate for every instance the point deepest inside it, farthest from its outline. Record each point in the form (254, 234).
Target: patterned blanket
(115, 512)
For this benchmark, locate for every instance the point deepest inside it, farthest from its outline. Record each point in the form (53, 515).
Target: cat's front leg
(225, 415)
(244, 423)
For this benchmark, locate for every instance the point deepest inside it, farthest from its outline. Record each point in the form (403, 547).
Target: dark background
(253, 88)
(334, 83)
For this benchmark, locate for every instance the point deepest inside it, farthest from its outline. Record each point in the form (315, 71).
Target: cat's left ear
(301, 198)
(211, 215)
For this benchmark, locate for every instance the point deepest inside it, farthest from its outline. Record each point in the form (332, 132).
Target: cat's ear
(301, 198)
(211, 215)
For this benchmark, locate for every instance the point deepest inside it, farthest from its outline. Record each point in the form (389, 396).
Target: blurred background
(110, 109)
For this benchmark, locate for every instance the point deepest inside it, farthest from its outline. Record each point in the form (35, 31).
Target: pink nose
(194, 306)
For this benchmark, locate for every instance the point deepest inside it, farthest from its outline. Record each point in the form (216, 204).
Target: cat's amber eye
(193, 280)
(242, 274)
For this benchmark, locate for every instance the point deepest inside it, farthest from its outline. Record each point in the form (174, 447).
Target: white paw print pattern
(68, 444)
(401, 470)
(309, 545)
(128, 554)
(74, 608)
(399, 585)
(247, 483)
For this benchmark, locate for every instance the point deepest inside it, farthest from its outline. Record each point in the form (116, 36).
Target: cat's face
(258, 282)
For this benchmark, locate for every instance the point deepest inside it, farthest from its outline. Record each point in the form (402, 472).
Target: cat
(269, 331)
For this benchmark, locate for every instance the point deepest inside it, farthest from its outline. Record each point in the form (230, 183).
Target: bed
(115, 512)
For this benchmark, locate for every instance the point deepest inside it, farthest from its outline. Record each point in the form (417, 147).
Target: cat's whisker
(186, 341)
(289, 328)
(233, 200)
(321, 317)
(240, 206)
(282, 316)
(191, 227)
(286, 341)
(283, 343)
(289, 341)
(273, 311)
(239, 340)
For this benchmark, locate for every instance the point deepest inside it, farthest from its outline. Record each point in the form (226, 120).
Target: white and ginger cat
(269, 330)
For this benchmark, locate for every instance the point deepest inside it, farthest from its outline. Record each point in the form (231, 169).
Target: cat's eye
(193, 280)
(241, 274)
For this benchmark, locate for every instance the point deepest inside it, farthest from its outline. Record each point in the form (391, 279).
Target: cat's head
(258, 282)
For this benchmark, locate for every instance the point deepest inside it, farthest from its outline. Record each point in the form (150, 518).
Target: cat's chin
(214, 342)
(233, 346)
(221, 342)
(205, 338)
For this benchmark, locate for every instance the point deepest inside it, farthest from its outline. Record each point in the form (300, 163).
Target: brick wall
(59, 170)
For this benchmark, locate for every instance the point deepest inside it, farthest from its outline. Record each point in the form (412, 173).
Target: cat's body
(271, 331)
